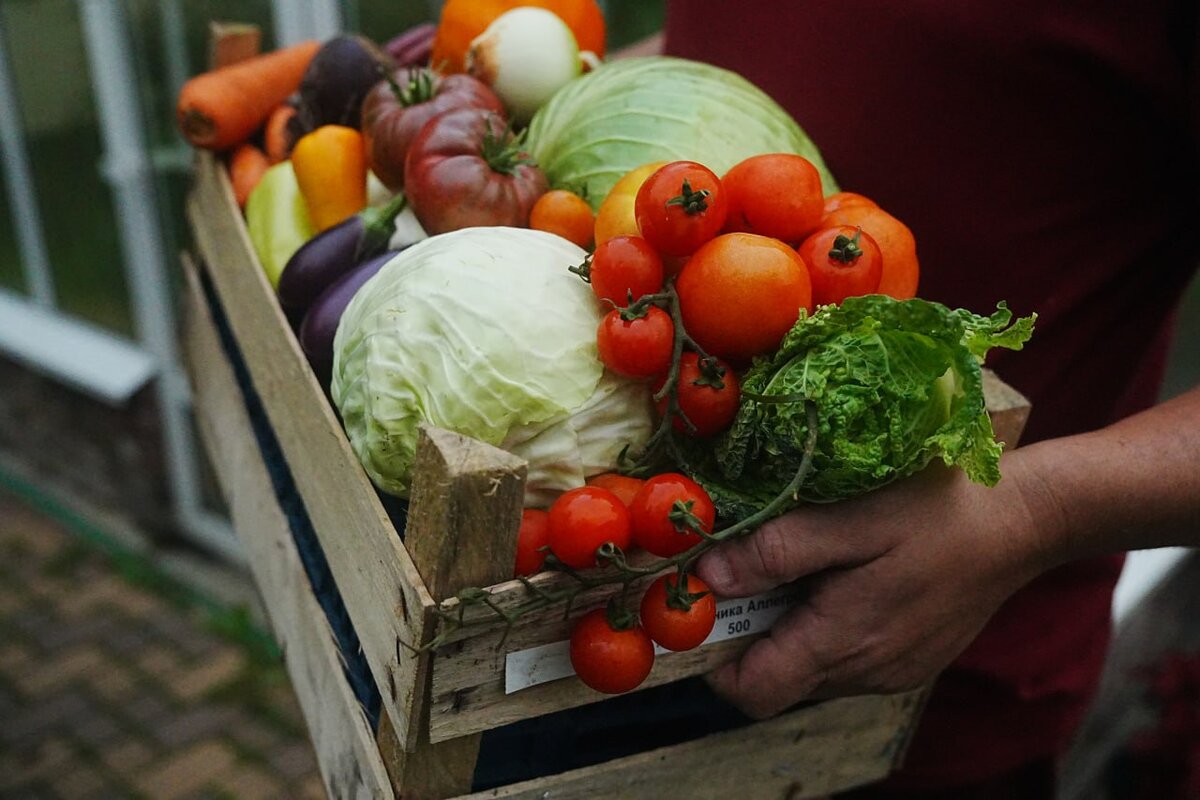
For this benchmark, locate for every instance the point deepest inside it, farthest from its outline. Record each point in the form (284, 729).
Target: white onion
(525, 55)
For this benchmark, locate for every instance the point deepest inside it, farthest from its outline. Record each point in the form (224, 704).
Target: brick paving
(109, 689)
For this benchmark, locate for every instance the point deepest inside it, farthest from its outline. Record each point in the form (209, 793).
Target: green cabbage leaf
(895, 385)
(486, 333)
(631, 112)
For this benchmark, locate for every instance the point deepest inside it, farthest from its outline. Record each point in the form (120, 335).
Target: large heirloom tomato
(465, 169)
(395, 110)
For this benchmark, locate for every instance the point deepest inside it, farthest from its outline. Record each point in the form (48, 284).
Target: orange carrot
(331, 168)
(276, 138)
(247, 165)
(219, 109)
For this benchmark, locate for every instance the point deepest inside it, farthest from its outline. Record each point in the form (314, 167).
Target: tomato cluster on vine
(719, 270)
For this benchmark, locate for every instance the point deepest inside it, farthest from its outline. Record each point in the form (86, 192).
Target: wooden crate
(463, 518)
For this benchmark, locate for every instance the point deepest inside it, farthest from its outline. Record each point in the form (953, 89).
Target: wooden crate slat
(468, 675)
(349, 761)
(384, 595)
(462, 527)
(809, 753)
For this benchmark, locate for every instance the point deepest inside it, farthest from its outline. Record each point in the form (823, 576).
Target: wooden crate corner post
(464, 515)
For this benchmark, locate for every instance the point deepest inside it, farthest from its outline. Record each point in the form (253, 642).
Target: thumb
(778, 552)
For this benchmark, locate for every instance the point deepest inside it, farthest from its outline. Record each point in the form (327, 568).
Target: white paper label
(736, 617)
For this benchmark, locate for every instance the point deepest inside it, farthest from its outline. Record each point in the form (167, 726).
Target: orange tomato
(774, 194)
(462, 20)
(624, 487)
(740, 293)
(615, 217)
(841, 200)
(901, 272)
(564, 213)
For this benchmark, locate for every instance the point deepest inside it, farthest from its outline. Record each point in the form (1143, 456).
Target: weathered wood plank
(349, 762)
(468, 675)
(812, 752)
(383, 591)
(464, 515)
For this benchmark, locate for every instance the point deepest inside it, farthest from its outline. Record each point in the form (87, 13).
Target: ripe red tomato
(774, 194)
(637, 348)
(676, 622)
(740, 293)
(660, 497)
(680, 207)
(901, 270)
(843, 262)
(581, 520)
(607, 659)
(531, 537)
(625, 266)
(622, 486)
(464, 169)
(709, 407)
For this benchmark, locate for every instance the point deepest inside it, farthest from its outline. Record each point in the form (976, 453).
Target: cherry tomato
(637, 348)
(678, 619)
(680, 207)
(581, 520)
(842, 262)
(615, 215)
(901, 271)
(658, 514)
(774, 194)
(740, 293)
(709, 407)
(622, 486)
(566, 214)
(465, 169)
(391, 119)
(625, 266)
(839, 200)
(531, 537)
(607, 659)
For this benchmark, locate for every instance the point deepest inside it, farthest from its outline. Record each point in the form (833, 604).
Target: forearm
(1132, 485)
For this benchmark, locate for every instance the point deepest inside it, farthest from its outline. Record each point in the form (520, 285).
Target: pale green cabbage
(484, 332)
(631, 112)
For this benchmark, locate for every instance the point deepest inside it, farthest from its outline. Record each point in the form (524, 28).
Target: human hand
(897, 584)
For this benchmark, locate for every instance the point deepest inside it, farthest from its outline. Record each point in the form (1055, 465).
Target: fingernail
(714, 569)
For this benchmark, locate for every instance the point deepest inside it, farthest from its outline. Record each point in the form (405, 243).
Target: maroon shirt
(1044, 153)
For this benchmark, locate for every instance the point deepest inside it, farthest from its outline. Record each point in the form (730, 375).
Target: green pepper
(277, 219)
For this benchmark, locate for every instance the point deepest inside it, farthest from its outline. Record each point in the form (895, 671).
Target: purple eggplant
(336, 81)
(321, 322)
(334, 252)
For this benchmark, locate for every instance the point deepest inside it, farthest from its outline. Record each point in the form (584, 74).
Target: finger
(777, 671)
(779, 552)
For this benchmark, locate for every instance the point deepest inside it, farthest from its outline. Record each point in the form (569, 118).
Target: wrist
(1046, 529)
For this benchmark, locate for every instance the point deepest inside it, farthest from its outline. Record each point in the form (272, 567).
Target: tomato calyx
(684, 520)
(692, 201)
(620, 618)
(678, 596)
(420, 87)
(845, 249)
(712, 374)
(503, 152)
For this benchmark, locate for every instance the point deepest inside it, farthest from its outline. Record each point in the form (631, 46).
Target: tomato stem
(615, 568)
(845, 248)
(692, 201)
